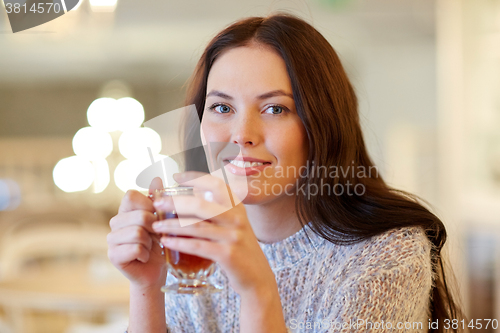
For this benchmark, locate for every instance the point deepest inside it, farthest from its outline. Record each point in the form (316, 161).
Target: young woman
(329, 249)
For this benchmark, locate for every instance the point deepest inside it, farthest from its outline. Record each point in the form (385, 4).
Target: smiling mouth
(246, 164)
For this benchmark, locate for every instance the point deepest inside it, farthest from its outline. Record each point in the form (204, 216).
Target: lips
(245, 166)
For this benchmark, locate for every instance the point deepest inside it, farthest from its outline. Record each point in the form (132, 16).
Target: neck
(275, 220)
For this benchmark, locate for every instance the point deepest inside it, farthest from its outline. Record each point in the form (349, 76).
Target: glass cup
(191, 271)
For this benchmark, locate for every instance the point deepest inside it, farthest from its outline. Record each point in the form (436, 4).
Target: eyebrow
(269, 94)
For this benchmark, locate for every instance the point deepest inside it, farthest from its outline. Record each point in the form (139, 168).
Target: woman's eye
(222, 109)
(275, 109)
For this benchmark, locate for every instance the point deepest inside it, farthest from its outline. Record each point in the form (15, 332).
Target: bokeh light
(102, 114)
(126, 172)
(134, 143)
(92, 143)
(130, 113)
(10, 194)
(73, 174)
(101, 175)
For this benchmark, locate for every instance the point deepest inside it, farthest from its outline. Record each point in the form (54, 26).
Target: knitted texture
(379, 285)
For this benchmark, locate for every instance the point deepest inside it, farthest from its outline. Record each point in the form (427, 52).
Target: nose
(246, 130)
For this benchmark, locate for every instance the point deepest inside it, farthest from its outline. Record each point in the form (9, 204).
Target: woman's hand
(133, 246)
(227, 239)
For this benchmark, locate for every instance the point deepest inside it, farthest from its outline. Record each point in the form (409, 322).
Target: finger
(198, 247)
(187, 206)
(184, 177)
(130, 235)
(156, 184)
(135, 200)
(206, 182)
(141, 218)
(206, 230)
(122, 255)
(182, 221)
(158, 248)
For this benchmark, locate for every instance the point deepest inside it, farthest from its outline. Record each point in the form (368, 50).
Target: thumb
(156, 184)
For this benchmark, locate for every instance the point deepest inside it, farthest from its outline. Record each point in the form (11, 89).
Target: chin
(245, 196)
(259, 199)
(252, 195)
(252, 200)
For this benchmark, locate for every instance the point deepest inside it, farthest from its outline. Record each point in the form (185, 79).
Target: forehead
(254, 69)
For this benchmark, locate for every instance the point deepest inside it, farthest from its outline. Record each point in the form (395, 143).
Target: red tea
(185, 263)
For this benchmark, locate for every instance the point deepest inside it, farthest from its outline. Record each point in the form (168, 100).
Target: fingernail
(157, 225)
(159, 202)
(209, 196)
(180, 176)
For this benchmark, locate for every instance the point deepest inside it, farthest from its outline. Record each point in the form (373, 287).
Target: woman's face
(249, 103)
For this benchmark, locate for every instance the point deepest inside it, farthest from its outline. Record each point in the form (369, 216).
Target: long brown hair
(327, 105)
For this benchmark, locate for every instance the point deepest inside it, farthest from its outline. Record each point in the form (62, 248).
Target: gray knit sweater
(379, 285)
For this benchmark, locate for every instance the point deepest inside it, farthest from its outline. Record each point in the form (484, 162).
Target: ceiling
(159, 41)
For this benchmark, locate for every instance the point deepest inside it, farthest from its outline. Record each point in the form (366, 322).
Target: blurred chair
(48, 237)
(57, 261)
(116, 324)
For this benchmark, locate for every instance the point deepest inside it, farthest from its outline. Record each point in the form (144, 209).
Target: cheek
(212, 132)
(302, 142)
(290, 145)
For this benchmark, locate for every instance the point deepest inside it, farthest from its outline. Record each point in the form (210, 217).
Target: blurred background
(427, 75)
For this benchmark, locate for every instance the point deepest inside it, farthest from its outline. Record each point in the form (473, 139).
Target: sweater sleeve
(388, 290)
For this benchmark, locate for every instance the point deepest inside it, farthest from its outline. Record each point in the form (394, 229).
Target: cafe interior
(75, 93)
